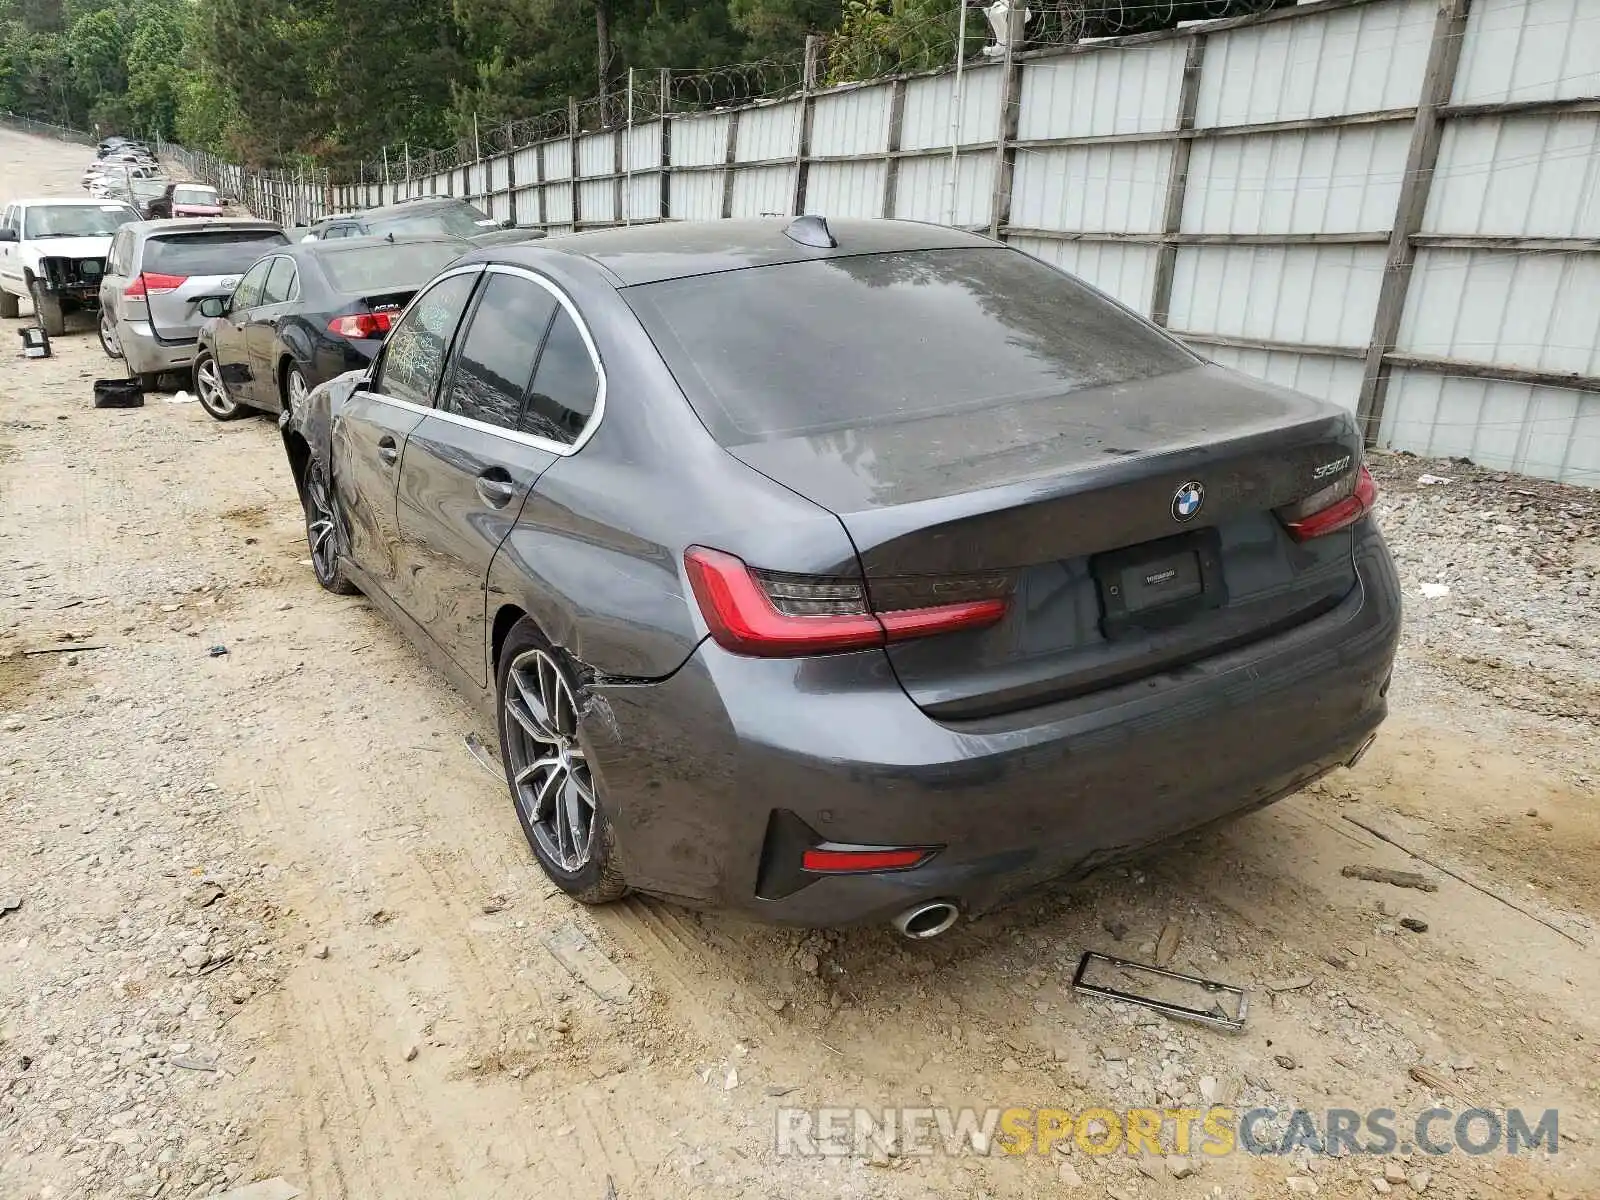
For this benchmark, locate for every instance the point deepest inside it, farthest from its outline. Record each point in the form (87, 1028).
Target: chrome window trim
(294, 291)
(560, 449)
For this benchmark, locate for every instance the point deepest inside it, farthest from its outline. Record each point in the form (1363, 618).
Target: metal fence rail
(1389, 203)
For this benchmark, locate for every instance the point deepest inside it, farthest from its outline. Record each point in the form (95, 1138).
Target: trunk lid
(184, 267)
(1077, 500)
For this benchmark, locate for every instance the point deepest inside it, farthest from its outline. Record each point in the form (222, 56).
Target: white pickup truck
(53, 251)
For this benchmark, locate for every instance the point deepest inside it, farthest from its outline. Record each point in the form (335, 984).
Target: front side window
(248, 293)
(498, 351)
(414, 355)
(565, 386)
(280, 282)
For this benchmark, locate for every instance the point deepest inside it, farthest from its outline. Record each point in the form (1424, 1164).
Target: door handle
(496, 488)
(388, 451)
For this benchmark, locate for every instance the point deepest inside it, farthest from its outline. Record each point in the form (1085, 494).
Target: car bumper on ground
(145, 353)
(708, 772)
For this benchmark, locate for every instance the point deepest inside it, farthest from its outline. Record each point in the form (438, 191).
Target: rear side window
(280, 282)
(214, 252)
(414, 355)
(565, 386)
(496, 359)
(868, 340)
(357, 270)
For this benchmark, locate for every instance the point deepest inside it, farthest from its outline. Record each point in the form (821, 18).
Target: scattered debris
(9, 904)
(181, 397)
(1167, 943)
(1491, 892)
(217, 651)
(1286, 1061)
(318, 950)
(588, 964)
(481, 753)
(731, 1079)
(1181, 1166)
(1399, 879)
(1216, 1016)
(1292, 984)
(207, 894)
(1414, 924)
(277, 1188)
(494, 904)
(611, 1189)
(1434, 591)
(781, 1089)
(411, 1052)
(1427, 480)
(61, 650)
(189, 1062)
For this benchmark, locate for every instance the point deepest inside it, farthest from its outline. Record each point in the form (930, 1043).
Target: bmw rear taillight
(152, 284)
(776, 615)
(362, 325)
(1338, 506)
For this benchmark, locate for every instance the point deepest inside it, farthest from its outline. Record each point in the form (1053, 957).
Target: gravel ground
(266, 917)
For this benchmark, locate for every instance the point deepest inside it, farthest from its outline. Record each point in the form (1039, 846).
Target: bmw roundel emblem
(1186, 501)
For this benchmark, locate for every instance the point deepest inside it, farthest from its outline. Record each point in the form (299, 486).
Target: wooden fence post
(1177, 181)
(1444, 55)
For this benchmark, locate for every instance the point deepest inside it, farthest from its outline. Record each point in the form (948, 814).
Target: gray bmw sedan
(863, 571)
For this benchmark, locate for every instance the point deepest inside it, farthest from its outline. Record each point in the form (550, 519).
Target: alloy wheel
(108, 336)
(320, 526)
(296, 389)
(208, 382)
(550, 778)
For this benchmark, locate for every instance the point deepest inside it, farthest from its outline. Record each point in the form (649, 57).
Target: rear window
(358, 270)
(868, 340)
(213, 252)
(194, 195)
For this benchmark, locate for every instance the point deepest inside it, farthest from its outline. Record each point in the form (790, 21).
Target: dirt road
(276, 921)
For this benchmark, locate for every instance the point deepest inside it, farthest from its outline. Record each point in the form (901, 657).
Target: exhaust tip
(927, 920)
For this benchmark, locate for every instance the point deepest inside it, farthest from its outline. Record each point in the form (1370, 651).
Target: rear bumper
(145, 353)
(694, 768)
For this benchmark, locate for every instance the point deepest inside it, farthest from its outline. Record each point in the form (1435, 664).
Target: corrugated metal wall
(1392, 204)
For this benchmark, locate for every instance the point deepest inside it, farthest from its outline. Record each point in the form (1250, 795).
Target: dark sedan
(305, 314)
(877, 572)
(422, 215)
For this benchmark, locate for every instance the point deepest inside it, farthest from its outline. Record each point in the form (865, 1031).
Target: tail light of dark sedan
(1337, 506)
(362, 325)
(771, 614)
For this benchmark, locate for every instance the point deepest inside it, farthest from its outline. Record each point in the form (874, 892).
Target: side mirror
(9, 235)
(214, 306)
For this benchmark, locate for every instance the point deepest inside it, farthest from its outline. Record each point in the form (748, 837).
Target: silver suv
(157, 274)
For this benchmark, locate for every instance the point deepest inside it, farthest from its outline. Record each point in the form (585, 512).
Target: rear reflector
(1333, 508)
(828, 860)
(773, 615)
(154, 285)
(362, 325)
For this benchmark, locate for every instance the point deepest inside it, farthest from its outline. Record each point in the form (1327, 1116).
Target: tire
(322, 532)
(295, 388)
(213, 393)
(47, 311)
(531, 680)
(106, 325)
(10, 309)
